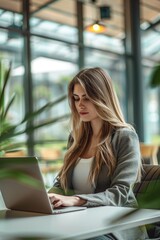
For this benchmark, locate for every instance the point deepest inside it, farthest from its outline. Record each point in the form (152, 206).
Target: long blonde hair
(99, 89)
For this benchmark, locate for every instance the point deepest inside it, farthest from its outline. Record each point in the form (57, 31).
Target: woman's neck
(96, 127)
(92, 145)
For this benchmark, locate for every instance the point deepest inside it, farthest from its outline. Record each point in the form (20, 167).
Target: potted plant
(9, 132)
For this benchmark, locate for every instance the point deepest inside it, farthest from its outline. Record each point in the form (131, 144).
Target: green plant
(8, 131)
(155, 77)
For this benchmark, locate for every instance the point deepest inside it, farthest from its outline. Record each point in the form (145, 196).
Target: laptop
(23, 187)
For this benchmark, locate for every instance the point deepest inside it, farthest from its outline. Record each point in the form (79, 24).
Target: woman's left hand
(60, 200)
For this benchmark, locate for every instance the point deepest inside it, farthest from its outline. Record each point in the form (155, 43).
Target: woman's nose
(81, 103)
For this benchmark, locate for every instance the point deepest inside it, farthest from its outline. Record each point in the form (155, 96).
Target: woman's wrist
(79, 201)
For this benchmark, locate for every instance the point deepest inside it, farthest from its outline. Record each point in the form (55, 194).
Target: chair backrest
(15, 153)
(50, 154)
(149, 153)
(147, 191)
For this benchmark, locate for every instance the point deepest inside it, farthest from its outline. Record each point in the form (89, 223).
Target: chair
(149, 153)
(50, 154)
(147, 193)
(150, 180)
(15, 153)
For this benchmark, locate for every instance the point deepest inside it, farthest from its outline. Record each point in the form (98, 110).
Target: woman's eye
(75, 99)
(86, 99)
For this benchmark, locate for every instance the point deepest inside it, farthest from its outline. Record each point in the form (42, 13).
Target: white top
(80, 180)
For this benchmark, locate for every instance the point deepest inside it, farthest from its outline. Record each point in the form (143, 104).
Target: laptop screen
(22, 185)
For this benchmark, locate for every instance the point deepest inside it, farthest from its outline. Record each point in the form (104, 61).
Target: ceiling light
(96, 27)
(103, 12)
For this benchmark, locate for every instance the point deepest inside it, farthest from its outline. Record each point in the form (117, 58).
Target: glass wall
(55, 57)
(150, 42)
(51, 72)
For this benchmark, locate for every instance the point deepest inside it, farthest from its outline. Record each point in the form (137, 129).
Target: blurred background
(49, 41)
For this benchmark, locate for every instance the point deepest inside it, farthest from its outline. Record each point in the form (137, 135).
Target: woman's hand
(60, 200)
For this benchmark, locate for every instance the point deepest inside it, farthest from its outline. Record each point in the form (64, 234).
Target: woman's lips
(83, 113)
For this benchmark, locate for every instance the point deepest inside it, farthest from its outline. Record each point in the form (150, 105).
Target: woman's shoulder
(124, 133)
(125, 145)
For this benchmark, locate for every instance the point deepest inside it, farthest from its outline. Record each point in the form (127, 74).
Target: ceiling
(57, 20)
(64, 12)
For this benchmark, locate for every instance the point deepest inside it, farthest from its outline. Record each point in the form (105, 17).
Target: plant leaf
(20, 176)
(6, 78)
(51, 121)
(8, 106)
(12, 131)
(8, 131)
(29, 116)
(9, 146)
(155, 77)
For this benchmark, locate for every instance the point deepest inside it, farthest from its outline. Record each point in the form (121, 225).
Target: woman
(103, 159)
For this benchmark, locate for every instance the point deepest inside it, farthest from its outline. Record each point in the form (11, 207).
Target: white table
(83, 224)
(74, 225)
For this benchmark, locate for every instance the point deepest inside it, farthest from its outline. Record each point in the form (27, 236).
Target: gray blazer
(116, 190)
